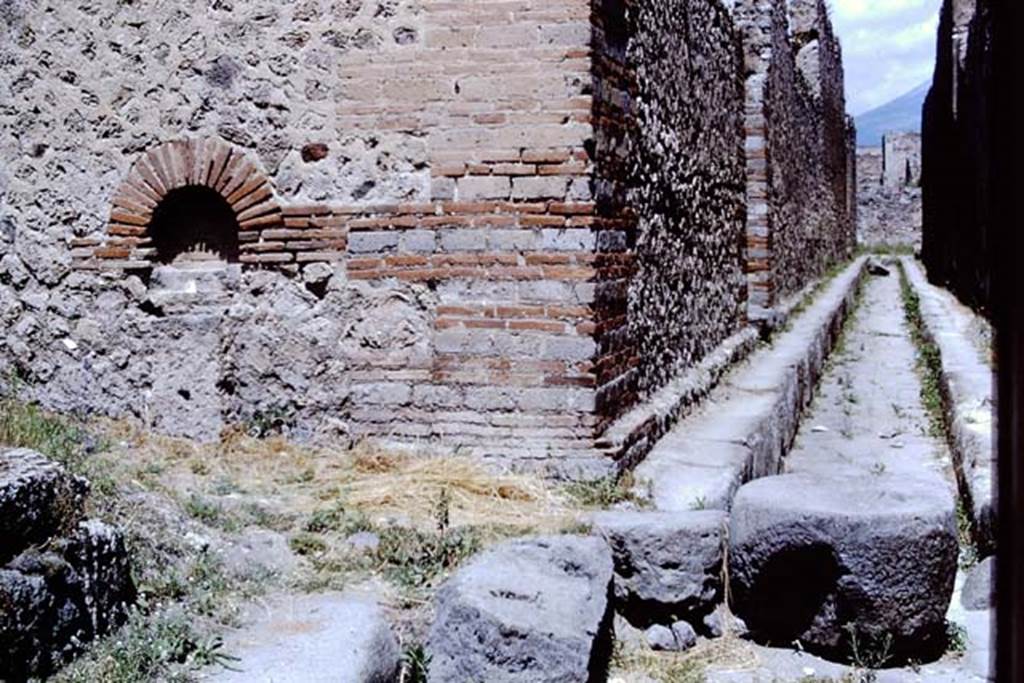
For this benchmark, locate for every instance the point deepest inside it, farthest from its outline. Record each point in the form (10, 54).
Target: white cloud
(860, 9)
(891, 41)
(888, 47)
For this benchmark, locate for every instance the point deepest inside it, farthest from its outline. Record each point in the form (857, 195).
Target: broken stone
(827, 560)
(667, 564)
(627, 634)
(56, 600)
(684, 634)
(532, 610)
(660, 638)
(258, 552)
(39, 499)
(978, 592)
(314, 151)
(876, 268)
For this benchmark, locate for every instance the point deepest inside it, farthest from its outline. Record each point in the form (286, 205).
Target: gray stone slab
(336, 637)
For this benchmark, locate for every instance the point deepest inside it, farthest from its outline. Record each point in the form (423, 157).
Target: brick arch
(203, 162)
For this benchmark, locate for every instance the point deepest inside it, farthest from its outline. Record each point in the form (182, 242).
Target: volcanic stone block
(38, 499)
(55, 600)
(527, 610)
(668, 565)
(836, 561)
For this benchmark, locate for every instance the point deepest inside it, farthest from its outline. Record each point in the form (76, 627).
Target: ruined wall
(800, 218)
(956, 155)
(419, 202)
(687, 186)
(889, 194)
(492, 225)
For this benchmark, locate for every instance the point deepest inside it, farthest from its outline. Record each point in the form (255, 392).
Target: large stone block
(38, 499)
(827, 561)
(56, 600)
(527, 610)
(668, 565)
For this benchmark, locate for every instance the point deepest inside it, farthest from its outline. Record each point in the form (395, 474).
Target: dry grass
(379, 483)
(727, 652)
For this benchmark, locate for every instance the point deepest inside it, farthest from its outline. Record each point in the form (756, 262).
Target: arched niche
(193, 199)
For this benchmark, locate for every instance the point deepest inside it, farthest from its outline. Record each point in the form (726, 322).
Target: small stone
(364, 541)
(661, 638)
(878, 269)
(315, 151)
(684, 634)
(713, 624)
(317, 273)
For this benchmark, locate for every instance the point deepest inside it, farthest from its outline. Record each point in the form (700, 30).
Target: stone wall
(888, 206)
(799, 216)
(901, 159)
(687, 186)
(488, 225)
(956, 151)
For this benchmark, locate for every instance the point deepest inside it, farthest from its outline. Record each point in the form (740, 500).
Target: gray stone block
(668, 565)
(812, 556)
(58, 599)
(38, 499)
(532, 610)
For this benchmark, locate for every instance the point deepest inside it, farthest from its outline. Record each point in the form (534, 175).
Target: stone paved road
(868, 420)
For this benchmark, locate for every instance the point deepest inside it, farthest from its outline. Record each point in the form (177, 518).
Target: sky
(888, 47)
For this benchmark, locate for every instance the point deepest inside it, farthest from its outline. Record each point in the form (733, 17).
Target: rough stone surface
(810, 554)
(888, 212)
(979, 588)
(338, 637)
(60, 597)
(668, 565)
(964, 342)
(800, 163)
(958, 147)
(497, 250)
(38, 499)
(526, 610)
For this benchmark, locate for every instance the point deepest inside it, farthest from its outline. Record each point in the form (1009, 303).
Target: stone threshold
(966, 388)
(747, 424)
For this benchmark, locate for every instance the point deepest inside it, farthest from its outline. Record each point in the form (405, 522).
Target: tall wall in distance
(889, 194)
(799, 215)
(493, 226)
(956, 154)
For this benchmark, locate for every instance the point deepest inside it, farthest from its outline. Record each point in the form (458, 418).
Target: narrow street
(868, 418)
(868, 426)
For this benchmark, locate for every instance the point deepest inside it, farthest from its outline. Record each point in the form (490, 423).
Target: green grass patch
(929, 360)
(25, 425)
(604, 492)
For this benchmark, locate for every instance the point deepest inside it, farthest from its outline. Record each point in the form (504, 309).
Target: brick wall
(493, 225)
(799, 217)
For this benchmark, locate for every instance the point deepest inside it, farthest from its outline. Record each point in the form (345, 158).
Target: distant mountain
(900, 114)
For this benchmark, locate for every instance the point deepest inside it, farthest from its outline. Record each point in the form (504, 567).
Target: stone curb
(966, 386)
(746, 426)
